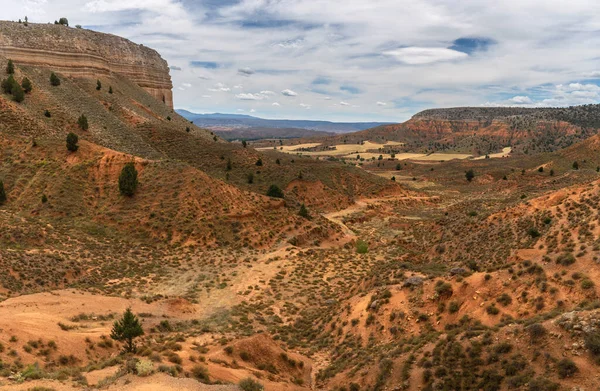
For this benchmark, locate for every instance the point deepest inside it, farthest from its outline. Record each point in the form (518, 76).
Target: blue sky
(355, 60)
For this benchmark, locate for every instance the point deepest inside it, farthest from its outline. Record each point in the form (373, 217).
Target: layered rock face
(84, 53)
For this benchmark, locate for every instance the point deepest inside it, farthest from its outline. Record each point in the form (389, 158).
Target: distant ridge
(238, 121)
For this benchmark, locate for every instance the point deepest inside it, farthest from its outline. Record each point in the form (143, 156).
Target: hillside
(367, 267)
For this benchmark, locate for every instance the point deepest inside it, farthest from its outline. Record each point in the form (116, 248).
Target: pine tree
(275, 192)
(127, 329)
(8, 84)
(72, 140)
(304, 212)
(54, 80)
(575, 166)
(98, 85)
(259, 162)
(63, 21)
(2, 193)
(470, 175)
(128, 180)
(27, 86)
(110, 90)
(229, 165)
(244, 143)
(10, 67)
(18, 93)
(83, 122)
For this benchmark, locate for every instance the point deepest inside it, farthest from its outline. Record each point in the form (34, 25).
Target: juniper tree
(27, 86)
(18, 93)
(72, 140)
(83, 122)
(8, 84)
(98, 85)
(127, 329)
(110, 90)
(54, 80)
(275, 192)
(10, 67)
(2, 193)
(303, 212)
(470, 175)
(128, 180)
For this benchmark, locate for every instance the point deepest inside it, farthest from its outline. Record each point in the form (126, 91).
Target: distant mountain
(218, 121)
(269, 133)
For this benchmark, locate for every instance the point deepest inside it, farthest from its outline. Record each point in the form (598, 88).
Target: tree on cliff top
(63, 21)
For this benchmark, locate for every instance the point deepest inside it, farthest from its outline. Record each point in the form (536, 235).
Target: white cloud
(304, 105)
(288, 92)
(266, 92)
(220, 87)
(187, 85)
(250, 96)
(521, 99)
(344, 103)
(345, 46)
(381, 104)
(238, 87)
(276, 104)
(420, 56)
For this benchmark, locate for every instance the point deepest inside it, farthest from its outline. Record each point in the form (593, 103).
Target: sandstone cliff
(84, 53)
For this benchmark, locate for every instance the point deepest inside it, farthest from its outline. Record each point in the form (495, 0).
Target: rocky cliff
(84, 53)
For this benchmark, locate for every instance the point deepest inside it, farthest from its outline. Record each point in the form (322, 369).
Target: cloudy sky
(355, 59)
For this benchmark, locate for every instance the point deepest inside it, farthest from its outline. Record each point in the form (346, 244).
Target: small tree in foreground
(2, 193)
(127, 329)
(54, 80)
(72, 140)
(83, 122)
(128, 180)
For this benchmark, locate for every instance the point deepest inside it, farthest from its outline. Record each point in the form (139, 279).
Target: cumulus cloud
(381, 104)
(305, 106)
(250, 96)
(288, 92)
(521, 99)
(342, 103)
(267, 92)
(276, 104)
(220, 87)
(420, 55)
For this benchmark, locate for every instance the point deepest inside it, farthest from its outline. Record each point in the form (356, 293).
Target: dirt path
(360, 205)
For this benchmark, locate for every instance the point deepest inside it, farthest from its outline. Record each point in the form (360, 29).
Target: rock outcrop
(84, 53)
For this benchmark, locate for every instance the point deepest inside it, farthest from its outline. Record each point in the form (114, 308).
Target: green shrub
(536, 332)
(592, 342)
(504, 299)
(18, 93)
(303, 212)
(470, 174)
(587, 284)
(362, 247)
(492, 310)
(98, 85)
(249, 384)
(453, 307)
(200, 372)
(566, 368)
(443, 289)
(542, 384)
(566, 259)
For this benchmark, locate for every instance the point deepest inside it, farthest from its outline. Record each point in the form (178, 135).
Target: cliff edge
(85, 53)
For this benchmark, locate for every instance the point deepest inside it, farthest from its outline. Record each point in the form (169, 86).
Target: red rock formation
(85, 53)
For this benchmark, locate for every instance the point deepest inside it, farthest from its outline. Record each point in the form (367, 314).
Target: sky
(367, 60)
